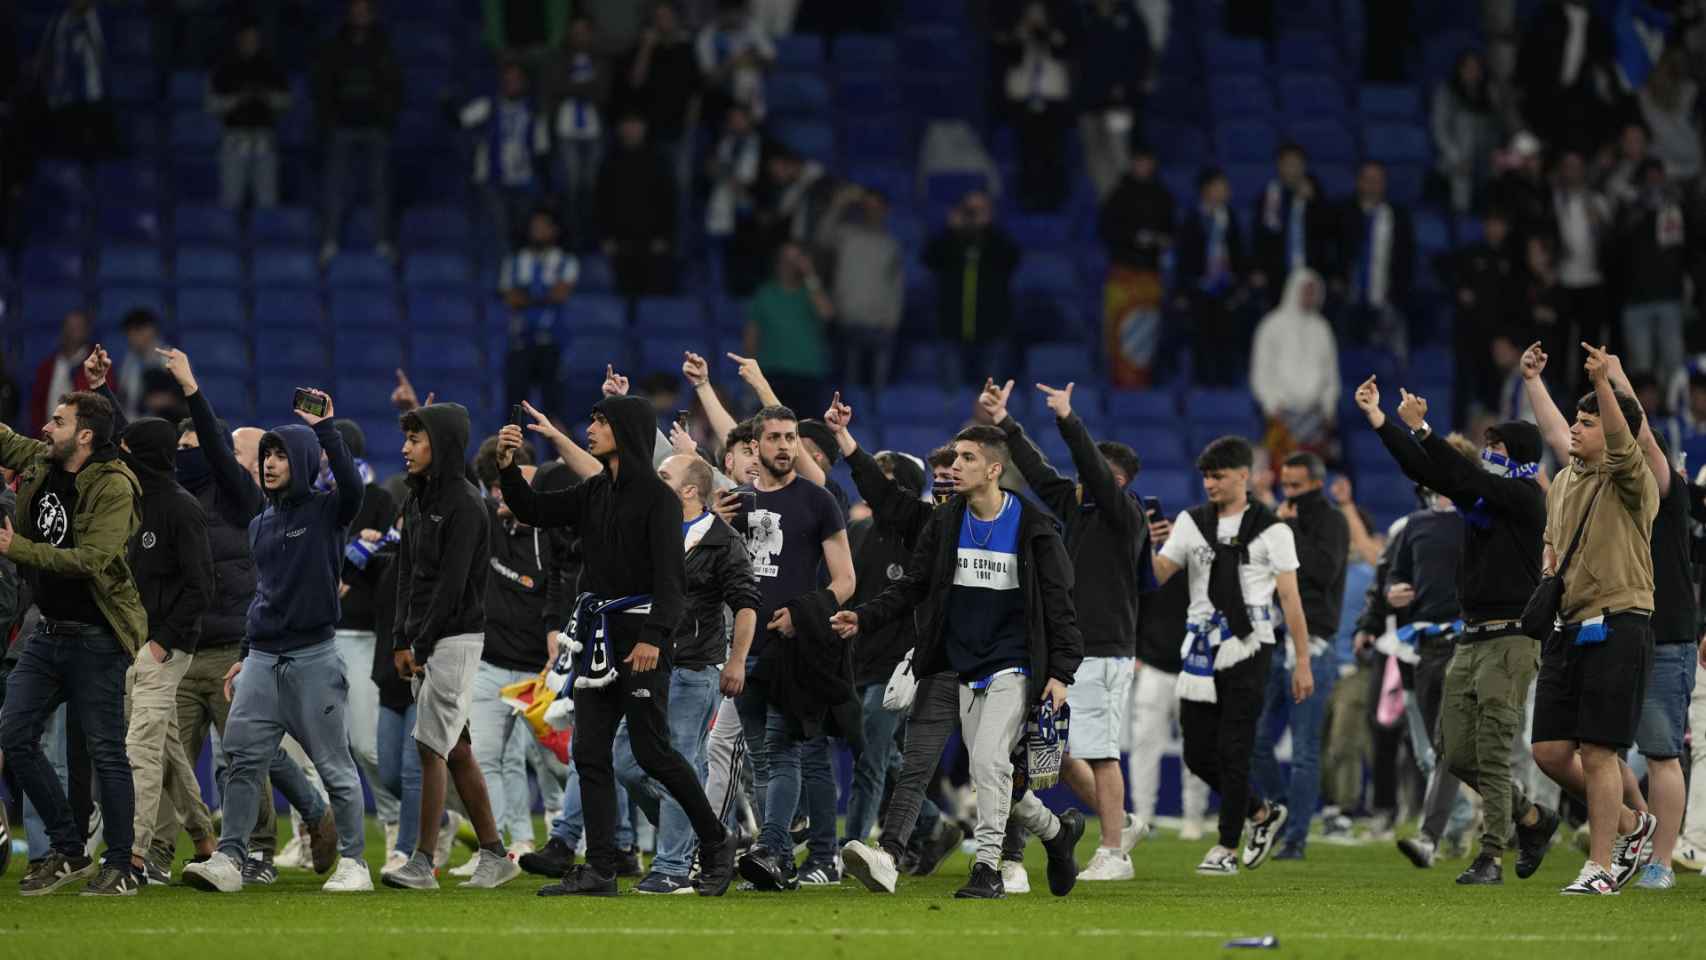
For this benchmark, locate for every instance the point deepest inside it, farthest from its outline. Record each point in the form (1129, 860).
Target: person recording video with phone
(290, 677)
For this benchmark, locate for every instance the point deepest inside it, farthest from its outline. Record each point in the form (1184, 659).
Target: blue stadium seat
(918, 441)
(1040, 230)
(879, 139)
(129, 225)
(1207, 404)
(1248, 179)
(275, 388)
(204, 224)
(1178, 490)
(800, 50)
(1180, 143)
(809, 139)
(1388, 103)
(865, 50)
(439, 310)
(662, 354)
(365, 394)
(428, 270)
(1394, 143)
(657, 315)
(796, 93)
(45, 307)
(365, 309)
(423, 44)
(50, 222)
(362, 349)
(1312, 95)
(193, 131)
(1405, 183)
(1228, 53)
(1431, 363)
(447, 355)
(1143, 406)
(210, 308)
(1363, 448)
(596, 313)
(1046, 273)
(132, 265)
(589, 351)
(217, 351)
(1326, 141)
(946, 189)
(359, 271)
(55, 264)
(1057, 364)
(863, 92)
(285, 349)
(281, 226)
(229, 394)
(209, 265)
(595, 274)
(1309, 50)
(276, 267)
(1245, 141)
(288, 310)
(913, 403)
(119, 299)
(1337, 179)
(436, 227)
(1157, 446)
(1240, 95)
(1050, 317)
(188, 88)
(129, 183)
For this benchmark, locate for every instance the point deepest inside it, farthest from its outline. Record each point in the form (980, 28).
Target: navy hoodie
(298, 542)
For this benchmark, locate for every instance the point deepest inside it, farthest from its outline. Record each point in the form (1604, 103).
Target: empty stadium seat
(1057, 363)
(204, 224)
(131, 265)
(1142, 406)
(656, 315)
(217, 351)
(441, 311)
(367, 309)
(591, 312)
(281, 348)
(1245, 141)
(1395, 143)
(210, 308)
(359, 270)
(360, 349)
(281, 226)
(276, 267)
(425, 270)
(1046, 273)
(287, 309)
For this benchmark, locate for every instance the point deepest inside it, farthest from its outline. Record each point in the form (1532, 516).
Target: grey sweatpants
(992, 720)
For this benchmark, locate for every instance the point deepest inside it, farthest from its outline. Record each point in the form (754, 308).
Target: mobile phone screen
(310, 403)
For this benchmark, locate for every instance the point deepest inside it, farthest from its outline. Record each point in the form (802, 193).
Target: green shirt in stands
(790, 333)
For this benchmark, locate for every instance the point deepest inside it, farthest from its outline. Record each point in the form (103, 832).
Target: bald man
(246, 443)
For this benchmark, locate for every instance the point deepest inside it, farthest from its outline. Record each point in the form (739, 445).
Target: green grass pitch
(1342, 902)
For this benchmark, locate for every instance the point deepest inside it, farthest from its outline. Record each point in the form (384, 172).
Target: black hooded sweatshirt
(442, 556)
(1323, 548)
(525, 598)
(629, 524)
(882, 547)
(231, 499)
(169, 554)
(1504, 517)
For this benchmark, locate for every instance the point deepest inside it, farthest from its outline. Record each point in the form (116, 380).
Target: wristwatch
(1421, 432)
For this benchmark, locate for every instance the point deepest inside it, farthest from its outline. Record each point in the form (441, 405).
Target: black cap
(819, 433)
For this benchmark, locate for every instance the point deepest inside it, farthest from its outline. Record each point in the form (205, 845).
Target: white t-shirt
(1274, 552)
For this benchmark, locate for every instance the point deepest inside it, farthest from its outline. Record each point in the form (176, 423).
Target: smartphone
(308, 402)
(517, 415)
(1152, 507)
(681, 417)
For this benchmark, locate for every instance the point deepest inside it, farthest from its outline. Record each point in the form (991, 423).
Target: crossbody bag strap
(1576, 540)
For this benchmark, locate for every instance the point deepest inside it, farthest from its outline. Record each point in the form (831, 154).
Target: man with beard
(81, 506)
(631, 602)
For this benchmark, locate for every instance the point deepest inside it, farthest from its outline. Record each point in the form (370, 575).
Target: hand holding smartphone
(313, 403)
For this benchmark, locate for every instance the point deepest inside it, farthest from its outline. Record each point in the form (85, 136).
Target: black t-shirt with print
(50, 513)
(784, 537)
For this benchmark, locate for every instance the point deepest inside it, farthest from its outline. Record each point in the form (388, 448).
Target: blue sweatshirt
(298, 542)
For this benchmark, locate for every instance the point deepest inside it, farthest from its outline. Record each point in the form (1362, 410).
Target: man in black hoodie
(995, 587)
(229, 499)
(1106, 537)
(174, 574)
(631, 601)
(441, 581)
(358, 89)
(1486, 686)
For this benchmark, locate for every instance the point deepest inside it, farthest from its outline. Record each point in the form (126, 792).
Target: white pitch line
(854, 932)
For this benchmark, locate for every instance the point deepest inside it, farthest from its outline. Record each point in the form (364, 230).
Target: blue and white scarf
(587, 661)
(324, 483)
(1401, 643)
(1210, 646)
(1499, 465)
(359, 551)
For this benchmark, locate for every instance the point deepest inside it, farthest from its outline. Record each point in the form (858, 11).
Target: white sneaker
(1136, 828)
(491, 871)
(871, 866)
(1687, 856)
(92, 842)
(1220, 862)
(1014, 879)
(446, 839)
(349, 876)
(296, 854)
(1191, 829)
(1107, 864)
(467, 868)
(394, 861)
(217, 874)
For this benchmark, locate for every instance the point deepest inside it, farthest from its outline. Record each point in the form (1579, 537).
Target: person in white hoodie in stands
(1294, 369)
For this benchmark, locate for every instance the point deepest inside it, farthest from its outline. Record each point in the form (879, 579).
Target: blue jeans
(341, 147)
(818, 783)
(1653, 332)
(82, 667)
(782, 790)
(754, 716)
(1305, 720)
(570, 824)
(400, 773)
(693, 699)
(304, 693)
(53, 745)
(871, 767)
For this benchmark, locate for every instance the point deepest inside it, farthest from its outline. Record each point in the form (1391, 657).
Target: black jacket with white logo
(169, 555)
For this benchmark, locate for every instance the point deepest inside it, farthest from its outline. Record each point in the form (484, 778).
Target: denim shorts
(1664, 710)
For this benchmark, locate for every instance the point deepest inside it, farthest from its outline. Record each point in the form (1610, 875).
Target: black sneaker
(1486, 871)
(54, 871)
(1062, 855)
(1420, 849)
(908, 862)
(820, 873)
(582, 880)
(259, 870)
(759, 868)
(628, 864)
(113, 881)
(1533, 842)
(940, 846)
(799, 831)
(717, 867)
(552, 860)
(1264, 836)
(662, 883)
(985, 882)
(154, 875)
(1290, 851)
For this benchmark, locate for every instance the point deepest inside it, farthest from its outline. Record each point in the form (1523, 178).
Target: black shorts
(1592, 694)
